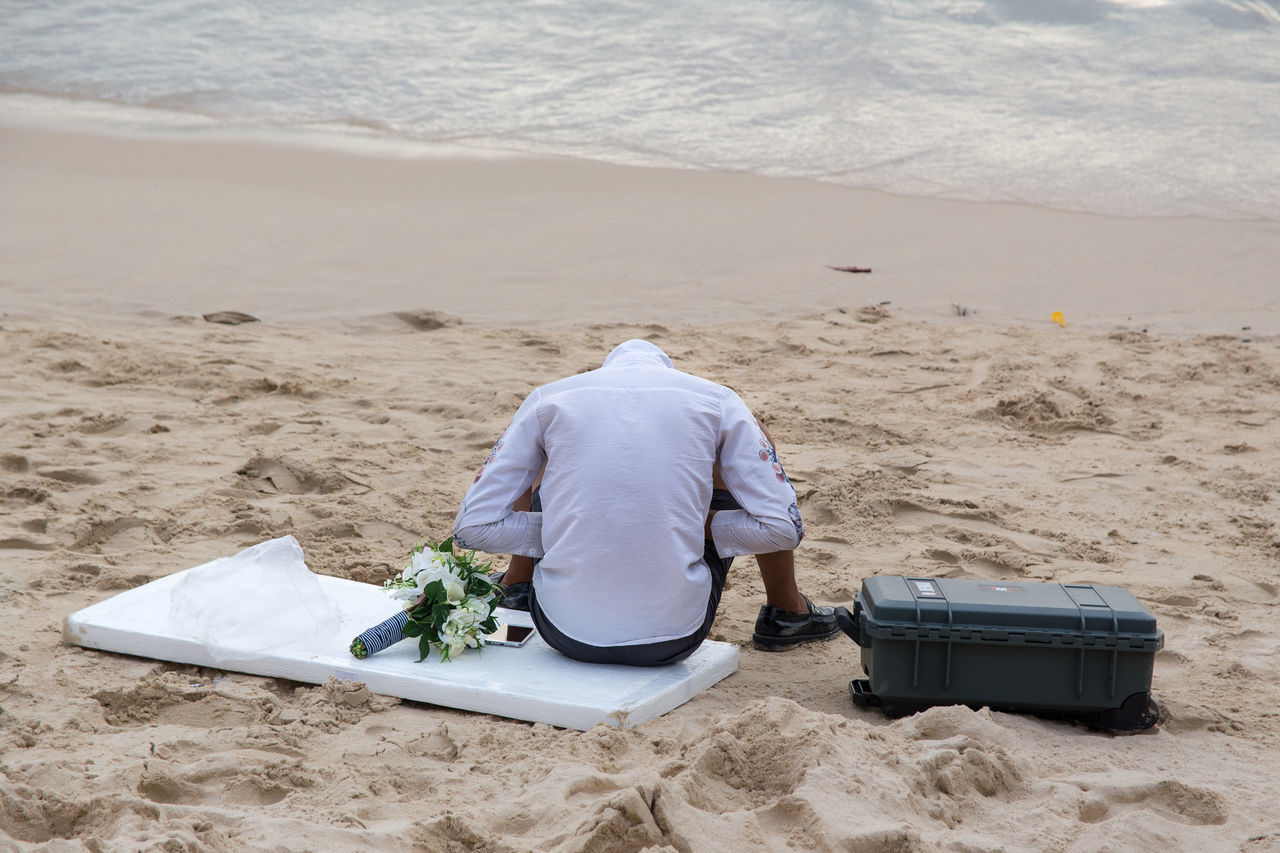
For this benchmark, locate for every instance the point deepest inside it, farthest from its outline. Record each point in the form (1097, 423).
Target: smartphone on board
(509, 635)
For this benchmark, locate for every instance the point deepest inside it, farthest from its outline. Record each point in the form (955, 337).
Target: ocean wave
(1117, 106)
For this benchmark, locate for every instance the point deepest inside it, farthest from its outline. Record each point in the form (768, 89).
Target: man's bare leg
(519, 570)
(778, 572)
(788, 619)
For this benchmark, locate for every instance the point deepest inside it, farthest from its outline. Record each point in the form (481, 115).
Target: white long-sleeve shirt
(629, 451)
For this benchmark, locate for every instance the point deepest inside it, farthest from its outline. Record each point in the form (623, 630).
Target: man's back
(629, 453)
(630, 450)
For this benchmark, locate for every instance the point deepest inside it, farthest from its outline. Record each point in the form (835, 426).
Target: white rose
(454, 589)
(454, 641)
(462, 621)
(480, 606)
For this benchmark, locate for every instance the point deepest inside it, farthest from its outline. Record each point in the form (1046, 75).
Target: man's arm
(769, 520)
(487, 520)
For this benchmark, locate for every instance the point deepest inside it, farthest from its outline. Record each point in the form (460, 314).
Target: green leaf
(424, 649)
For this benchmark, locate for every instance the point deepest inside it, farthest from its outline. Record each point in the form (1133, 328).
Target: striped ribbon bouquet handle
(380, 636)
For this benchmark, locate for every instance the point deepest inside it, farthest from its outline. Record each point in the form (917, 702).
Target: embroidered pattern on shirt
(794, 512)
(497, 445)
(768, 454)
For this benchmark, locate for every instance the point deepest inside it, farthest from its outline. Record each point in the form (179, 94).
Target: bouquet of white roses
(449, 602)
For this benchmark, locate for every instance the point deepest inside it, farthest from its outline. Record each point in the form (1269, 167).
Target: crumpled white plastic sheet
(263, 598)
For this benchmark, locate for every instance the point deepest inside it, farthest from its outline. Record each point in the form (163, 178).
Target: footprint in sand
(289, 476)
(14, 463)
(241, 778)
(102, 532)
(22, 543)
(426, 321)
(1180, 802)
(230, 318)
(73, 476)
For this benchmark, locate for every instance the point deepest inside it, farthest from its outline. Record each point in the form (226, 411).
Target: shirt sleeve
(770, 516)
(487, 521)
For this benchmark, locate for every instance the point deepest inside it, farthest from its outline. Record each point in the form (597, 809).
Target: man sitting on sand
(623, 547)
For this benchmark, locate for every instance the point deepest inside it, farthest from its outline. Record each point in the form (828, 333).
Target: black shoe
(778, 630)
(515, 596)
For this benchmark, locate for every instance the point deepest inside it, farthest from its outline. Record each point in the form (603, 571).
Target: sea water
(1131, 107)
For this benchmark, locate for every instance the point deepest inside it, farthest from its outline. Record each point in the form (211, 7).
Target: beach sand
(407, 306)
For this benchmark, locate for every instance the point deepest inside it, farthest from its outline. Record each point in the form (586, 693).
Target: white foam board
(532, 682)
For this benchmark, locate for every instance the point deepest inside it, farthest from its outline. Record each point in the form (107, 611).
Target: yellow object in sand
(1057, 317)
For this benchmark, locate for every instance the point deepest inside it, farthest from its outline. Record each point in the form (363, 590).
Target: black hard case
(1080, 651)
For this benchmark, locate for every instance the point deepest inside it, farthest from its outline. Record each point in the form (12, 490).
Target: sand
(407, 307)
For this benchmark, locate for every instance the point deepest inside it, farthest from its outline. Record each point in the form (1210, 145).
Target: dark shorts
(644, 654)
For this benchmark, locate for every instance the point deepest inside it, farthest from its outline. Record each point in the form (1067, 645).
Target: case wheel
(1137, 713)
